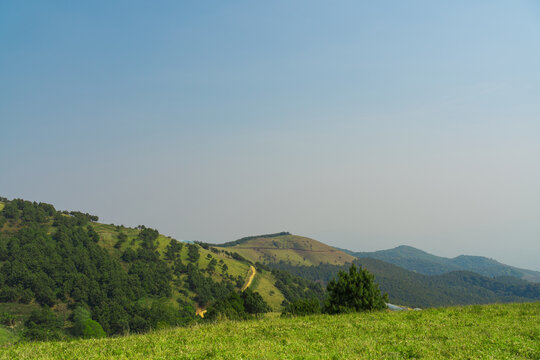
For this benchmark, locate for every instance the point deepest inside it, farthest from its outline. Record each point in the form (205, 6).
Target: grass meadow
(510, 331)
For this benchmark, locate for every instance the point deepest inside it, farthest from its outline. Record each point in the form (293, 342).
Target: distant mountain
(425, 263)
(286, 248)
(410, 288)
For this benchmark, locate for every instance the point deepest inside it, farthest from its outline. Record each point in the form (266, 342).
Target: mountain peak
(287, 248)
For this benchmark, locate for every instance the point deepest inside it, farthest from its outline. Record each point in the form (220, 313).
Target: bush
(238, 306)
(303, 307)
(84, 326)
(354, 291)
(254, 302)
(92, 329)
(7, 319)
(11, 211)
(43, 325)
(26, 296)
(122, 238)
(193, 253)
(8, 294)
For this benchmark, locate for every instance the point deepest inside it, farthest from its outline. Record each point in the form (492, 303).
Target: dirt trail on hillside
(251, 276)
(200, 311)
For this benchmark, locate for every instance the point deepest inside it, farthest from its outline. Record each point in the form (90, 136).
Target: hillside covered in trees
(64, 274)
(418, 290)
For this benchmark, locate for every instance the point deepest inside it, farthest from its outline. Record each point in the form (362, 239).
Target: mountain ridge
(288, 248)
(420, 261)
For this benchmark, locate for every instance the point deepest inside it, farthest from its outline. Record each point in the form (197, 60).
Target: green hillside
(121, 279)
(287, 248)
(236, 269)
(473, 332)
(422, 262)
(418, 290)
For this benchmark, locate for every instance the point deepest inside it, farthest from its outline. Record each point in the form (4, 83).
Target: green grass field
(474, 332)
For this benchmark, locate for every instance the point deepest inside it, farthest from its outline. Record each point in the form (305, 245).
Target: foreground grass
(473, 332)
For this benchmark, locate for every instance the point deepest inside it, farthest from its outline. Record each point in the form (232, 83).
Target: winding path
(251, 276)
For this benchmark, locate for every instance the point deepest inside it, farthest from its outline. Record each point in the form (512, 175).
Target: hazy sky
(365, 125)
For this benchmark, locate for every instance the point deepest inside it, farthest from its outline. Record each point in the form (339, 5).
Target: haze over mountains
(422, 262)
(295, 250)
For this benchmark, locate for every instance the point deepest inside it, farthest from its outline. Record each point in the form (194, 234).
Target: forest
(418, 290)
(53, 260)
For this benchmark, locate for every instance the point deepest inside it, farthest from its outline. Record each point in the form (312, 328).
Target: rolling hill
(422, 262)
(128, 279)
(235, 268)
(286, 248)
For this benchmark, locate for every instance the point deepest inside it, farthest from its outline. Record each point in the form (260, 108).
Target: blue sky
(365, 125)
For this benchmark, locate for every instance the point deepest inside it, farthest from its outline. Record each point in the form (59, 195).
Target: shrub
(354, 291)
(92, 329)
(43, 325)
(303, 307)
(84, 326)
(7, 319)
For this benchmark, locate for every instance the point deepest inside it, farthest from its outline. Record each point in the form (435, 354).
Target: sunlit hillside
(287, 248)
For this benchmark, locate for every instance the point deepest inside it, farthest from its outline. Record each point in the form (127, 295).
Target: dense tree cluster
(206, 289)
(43, 324)
(193, 253)
(418, 290)
(295, 288)
(302, 307)
(53, 257)
(238, 306)
(173, 250)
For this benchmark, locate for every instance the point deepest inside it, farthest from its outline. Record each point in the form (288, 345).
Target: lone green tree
(354, 291)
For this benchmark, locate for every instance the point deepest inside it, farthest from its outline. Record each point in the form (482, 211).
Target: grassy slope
(108, 237)
(1, 205)
(295, 249)
(474, 332)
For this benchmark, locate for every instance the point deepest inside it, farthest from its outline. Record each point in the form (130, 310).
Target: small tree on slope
(354, 291)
